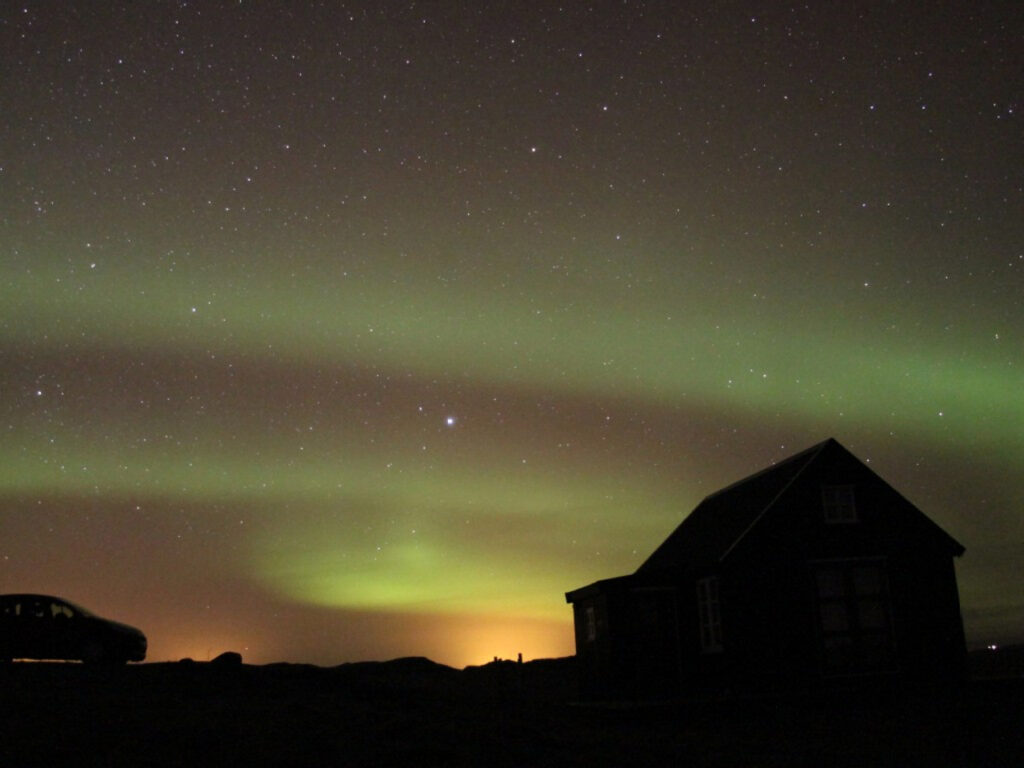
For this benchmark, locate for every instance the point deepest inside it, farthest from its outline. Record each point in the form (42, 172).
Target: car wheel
(93, 653)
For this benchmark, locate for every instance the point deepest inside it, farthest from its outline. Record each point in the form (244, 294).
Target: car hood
(126, 629)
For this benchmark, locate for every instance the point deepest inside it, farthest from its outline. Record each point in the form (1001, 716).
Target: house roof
(718, 522)
(721, 520)
(598, 587)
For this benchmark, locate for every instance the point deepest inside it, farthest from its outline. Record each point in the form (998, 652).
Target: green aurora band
(460, 524)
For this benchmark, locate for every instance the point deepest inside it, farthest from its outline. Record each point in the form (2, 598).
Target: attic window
(838, 503)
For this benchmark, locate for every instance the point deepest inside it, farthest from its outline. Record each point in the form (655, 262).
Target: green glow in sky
(805, 365)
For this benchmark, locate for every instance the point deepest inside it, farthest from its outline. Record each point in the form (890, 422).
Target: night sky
(343, 331)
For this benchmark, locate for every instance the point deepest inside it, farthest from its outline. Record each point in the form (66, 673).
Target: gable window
(709, 613)
(591, 624)
(838, 504)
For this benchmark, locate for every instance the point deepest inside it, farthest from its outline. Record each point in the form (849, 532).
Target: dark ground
(414, 712)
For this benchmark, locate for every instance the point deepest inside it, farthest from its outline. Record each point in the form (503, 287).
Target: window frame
(709, 614)
(590, 623)
(839, 504)
(855, 615)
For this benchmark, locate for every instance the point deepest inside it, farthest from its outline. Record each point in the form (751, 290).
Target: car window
(61, 611)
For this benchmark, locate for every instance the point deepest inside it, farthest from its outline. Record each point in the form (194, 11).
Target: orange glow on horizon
(456, 641)
(198, 648)
(476, 641)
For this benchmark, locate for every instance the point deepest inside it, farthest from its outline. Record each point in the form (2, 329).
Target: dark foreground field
(413, 712)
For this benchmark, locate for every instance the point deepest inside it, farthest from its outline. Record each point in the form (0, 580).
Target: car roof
(36, 596)
(31, 596)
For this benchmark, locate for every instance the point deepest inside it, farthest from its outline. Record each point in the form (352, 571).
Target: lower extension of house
(812, 570)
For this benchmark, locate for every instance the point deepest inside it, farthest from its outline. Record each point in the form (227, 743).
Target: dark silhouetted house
(812, 570)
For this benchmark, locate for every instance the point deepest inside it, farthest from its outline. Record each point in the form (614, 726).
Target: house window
(853, 605)
(709, 612)
(838, 503)
(591, 624)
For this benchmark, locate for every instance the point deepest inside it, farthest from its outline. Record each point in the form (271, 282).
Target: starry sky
(340, 331)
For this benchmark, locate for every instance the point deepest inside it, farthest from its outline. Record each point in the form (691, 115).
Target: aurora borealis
(349, 331)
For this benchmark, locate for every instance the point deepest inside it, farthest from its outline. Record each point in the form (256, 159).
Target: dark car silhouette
(44, 627)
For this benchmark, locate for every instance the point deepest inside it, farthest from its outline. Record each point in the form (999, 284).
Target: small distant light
(450, 421)
(993, 647)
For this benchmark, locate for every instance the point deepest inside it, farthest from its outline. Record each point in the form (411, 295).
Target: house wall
(929, 629)
(654, 639)
(769, 624)
(637, 648)
(593, 644)
(776, 628)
